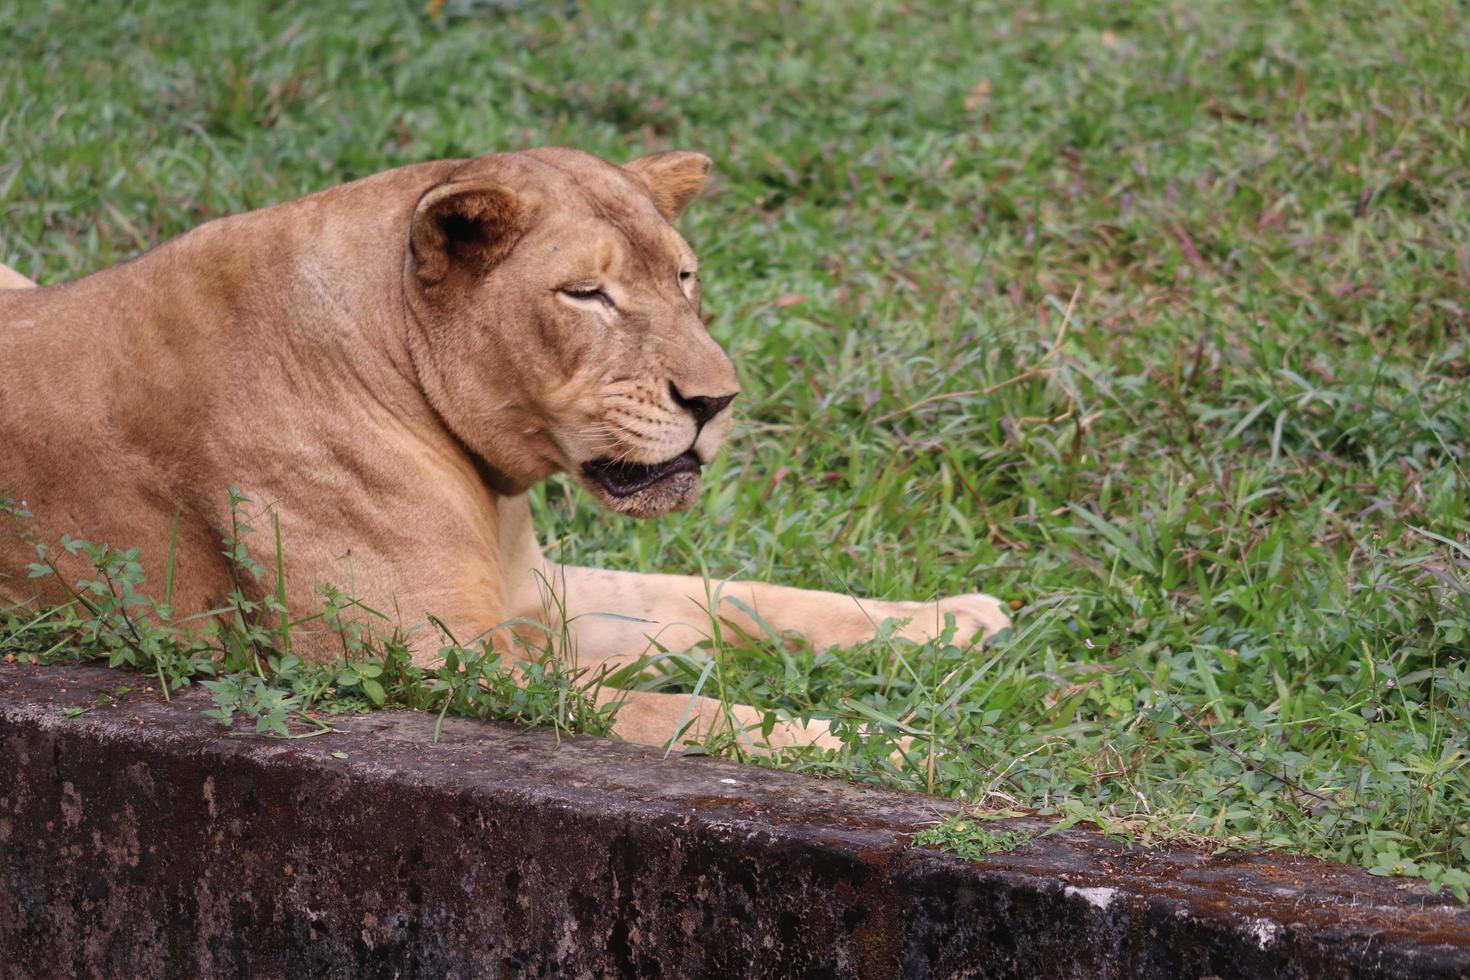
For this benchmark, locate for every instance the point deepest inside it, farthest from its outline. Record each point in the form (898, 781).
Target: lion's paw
(976, 617)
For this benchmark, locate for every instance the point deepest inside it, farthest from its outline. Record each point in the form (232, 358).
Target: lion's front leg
(674, 611)
(654, 718)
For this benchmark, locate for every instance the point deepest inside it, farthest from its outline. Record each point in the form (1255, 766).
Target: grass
(1149, 318)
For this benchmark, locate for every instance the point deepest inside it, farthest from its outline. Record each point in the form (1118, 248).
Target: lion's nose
(702, 407)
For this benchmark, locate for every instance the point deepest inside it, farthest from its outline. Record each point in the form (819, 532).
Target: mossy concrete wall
(140, 840)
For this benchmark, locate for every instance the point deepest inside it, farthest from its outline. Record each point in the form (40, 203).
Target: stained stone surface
(140, 839)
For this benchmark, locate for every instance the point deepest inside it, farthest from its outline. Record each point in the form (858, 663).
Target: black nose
(702, 407)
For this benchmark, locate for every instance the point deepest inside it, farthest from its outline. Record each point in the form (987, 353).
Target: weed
(970, 839)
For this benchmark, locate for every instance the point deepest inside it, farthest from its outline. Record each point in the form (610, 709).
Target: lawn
(1149, 318)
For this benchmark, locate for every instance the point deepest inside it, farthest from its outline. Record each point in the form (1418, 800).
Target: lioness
(389, 366)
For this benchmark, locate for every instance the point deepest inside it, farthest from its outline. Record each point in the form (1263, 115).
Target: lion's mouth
(622, 479)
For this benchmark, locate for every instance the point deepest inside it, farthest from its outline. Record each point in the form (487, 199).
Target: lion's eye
(587, 292)
(687, 277)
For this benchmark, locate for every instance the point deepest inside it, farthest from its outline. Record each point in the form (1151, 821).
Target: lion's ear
(464, 226)
(672, 178)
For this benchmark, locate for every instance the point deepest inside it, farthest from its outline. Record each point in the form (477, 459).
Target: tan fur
(384, 368)
(10, 279)
(671, 179)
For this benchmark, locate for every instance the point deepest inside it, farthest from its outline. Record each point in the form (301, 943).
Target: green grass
(1226, 491)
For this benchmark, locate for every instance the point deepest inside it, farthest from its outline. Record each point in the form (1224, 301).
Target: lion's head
(554, 323)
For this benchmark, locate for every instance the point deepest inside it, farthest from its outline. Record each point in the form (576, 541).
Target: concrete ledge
(140, 840)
